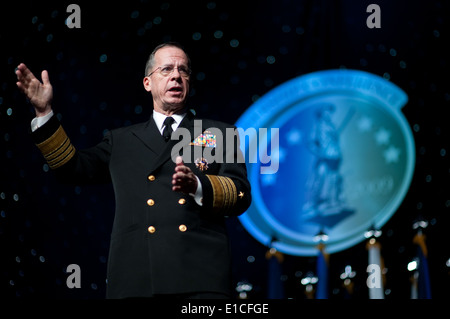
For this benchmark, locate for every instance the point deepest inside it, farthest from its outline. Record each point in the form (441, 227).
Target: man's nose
(176, 76)
(176, 73)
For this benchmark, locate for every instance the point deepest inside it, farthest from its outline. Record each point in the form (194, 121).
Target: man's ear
(147, 84)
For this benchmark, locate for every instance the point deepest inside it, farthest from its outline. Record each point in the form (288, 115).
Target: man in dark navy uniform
(169, 236)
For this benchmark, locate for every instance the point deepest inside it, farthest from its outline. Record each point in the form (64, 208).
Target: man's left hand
(184, 179)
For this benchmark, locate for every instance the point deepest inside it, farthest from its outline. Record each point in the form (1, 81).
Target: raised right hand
(40, 94)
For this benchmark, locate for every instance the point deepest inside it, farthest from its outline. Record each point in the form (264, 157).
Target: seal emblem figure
(346, 159)
(324, 197)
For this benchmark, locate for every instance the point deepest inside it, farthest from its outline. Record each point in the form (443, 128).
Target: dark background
(97, 72)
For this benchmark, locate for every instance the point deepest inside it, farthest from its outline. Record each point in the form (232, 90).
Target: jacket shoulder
(129, 128)
(208, 123)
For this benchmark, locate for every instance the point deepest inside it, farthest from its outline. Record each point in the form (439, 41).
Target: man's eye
(167, 69)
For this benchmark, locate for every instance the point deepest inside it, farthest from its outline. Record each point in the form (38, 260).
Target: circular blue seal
(339, 157)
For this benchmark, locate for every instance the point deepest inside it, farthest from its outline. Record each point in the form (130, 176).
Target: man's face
(169, 91)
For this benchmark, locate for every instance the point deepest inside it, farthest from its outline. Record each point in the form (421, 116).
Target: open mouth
(176, 89)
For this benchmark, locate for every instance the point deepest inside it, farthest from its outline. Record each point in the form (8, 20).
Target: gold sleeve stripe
(57, 149)
(224, 193)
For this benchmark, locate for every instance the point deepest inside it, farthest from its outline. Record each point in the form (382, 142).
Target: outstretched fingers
(24, 77)
(40, 94)
(24, 74)
(45, 77)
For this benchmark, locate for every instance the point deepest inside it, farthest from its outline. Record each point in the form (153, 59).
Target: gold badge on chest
(201, 164)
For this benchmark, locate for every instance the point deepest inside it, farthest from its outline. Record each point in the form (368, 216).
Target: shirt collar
(159, 120)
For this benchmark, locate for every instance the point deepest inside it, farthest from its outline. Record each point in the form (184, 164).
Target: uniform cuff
(224, 193)
(37, 122)
(198, 196)
(53, 142)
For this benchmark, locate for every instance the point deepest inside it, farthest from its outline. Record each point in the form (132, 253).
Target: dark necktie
(167, 132)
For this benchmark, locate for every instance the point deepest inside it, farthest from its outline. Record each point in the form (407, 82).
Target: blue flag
(322, 274)
(424, 287)
(275, 287)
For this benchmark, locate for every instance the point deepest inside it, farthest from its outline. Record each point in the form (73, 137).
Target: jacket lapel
(152, 138)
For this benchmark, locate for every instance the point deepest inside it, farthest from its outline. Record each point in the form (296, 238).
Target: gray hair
(151, 59)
